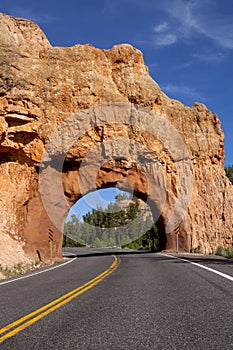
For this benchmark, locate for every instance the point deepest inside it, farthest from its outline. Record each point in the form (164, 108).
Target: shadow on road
(85, 255)
(208, 260)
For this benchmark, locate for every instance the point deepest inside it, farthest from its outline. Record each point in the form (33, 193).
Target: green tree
(73, 232)
(229, 172)
(122, 196)
(134, 210)
(109, 227)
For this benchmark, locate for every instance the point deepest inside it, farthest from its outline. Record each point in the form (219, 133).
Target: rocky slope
(42, 87)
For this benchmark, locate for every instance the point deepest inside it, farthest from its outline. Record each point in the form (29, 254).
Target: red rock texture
(42, 86)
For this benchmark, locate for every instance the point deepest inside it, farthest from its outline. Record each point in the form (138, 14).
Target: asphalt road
(147, 301)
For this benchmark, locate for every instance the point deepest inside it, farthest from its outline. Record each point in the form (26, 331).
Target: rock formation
(42, 86)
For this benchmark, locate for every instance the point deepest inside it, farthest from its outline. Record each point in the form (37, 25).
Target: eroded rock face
(42, 86)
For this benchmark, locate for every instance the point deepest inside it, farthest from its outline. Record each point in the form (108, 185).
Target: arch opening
(112, 218)
(118, 149)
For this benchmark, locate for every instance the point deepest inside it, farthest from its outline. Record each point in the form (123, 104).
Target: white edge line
(36, 273)
(201, 266)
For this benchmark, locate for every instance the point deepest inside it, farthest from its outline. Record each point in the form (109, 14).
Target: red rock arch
(42, 86)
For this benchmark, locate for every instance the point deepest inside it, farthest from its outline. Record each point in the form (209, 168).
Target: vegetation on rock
(18, 269)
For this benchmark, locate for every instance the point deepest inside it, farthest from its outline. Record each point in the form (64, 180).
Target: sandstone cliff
(42, 86)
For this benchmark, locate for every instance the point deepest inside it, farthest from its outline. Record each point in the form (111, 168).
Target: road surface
(126, 301)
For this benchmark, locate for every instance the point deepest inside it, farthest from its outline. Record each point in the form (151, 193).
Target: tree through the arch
(107, 226)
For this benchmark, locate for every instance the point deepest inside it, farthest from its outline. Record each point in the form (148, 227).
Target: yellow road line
(55, 304)
(22, 319)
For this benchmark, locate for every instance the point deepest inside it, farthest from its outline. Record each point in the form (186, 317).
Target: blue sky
(100, 198)
(187, 44)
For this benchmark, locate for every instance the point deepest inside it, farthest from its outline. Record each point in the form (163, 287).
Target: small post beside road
(50, 233)
(177, 231)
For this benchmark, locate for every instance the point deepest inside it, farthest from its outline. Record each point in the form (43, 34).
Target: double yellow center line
(17, 326)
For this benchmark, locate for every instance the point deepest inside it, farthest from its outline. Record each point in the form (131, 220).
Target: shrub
(230, 253)
(197, 250)
(226, 252)
(220, 251)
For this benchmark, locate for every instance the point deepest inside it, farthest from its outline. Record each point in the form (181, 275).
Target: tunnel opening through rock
(111, 156)
(112, 218)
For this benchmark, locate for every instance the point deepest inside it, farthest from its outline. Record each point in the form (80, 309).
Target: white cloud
(170, 31)
(178, 91)
(160, 28)
(163, 36)
(183, 13)
(193, 19)
(209, 57)
(165, 39)
(222, 34)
